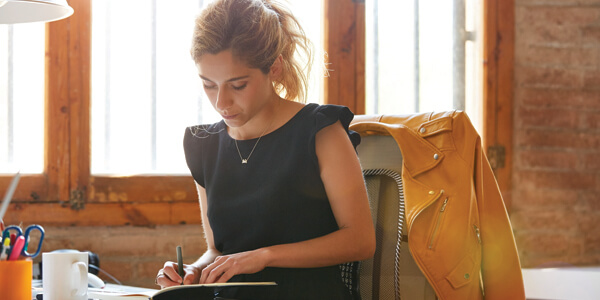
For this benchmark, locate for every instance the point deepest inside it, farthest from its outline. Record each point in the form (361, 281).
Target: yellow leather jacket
(459, 232)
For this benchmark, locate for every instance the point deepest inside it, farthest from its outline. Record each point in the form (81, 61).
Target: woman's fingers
(207, 273)
(225, 267)
(191, 274)
(213, 272)
(225, 276)
(164, 281)
(171, 272)
(188, 278)
(168, 275)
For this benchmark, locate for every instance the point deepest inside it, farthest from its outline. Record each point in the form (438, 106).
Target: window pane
(474, 57)
(410, 56)
(22, 49)
(435, 55)
(310, 15)
(145, 87)
(391, 54)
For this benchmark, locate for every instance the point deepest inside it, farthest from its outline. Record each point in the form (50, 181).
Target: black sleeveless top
(276, 198)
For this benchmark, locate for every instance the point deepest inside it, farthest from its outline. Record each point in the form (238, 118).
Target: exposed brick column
(556, 180)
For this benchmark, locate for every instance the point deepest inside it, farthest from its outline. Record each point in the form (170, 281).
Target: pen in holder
(15, 279)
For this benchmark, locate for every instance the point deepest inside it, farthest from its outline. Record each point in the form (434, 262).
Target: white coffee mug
(65, 275)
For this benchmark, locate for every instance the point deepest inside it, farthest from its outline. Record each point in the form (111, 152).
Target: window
(145, 88)
(421, 56)
(59, 187)
(21, 98)
(64, 184)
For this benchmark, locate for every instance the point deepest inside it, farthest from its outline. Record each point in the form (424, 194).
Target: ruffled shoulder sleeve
(193, 154)
(329, 114)
(198, 141)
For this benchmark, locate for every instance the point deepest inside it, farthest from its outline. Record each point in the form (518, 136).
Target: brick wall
(133, 255)
(556, 180)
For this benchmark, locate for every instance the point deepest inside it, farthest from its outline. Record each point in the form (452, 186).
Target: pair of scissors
(19, 232)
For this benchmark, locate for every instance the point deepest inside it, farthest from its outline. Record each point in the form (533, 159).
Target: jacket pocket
(437, 224)
(462, 273)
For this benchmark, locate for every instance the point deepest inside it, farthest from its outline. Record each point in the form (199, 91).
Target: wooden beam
(56, 129)
(142, 189)
(499, 36)
(105, 214)
(31, 187)
(67, 130)
(361, 58)
(344, 30)
(79, 97)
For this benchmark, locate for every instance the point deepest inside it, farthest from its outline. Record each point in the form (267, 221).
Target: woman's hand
(168, 275)
(226, 266)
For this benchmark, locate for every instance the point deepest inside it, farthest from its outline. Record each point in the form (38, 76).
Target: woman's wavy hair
(257, 32)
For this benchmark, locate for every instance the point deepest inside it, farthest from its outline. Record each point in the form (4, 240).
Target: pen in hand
(180, 263)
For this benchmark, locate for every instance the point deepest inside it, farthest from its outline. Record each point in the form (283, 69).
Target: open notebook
(180, 292)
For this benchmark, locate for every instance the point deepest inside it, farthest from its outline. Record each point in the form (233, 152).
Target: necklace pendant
(244, 161)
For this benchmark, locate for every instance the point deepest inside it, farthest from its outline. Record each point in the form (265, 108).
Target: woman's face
(237, 92)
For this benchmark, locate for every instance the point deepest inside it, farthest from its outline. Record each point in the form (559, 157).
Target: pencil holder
(15, 279)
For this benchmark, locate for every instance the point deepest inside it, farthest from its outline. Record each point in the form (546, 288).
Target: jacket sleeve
(501, 269)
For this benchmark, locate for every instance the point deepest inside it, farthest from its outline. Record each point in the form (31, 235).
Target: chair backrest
(392, 272)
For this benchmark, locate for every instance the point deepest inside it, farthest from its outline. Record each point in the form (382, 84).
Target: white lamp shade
(24, 11)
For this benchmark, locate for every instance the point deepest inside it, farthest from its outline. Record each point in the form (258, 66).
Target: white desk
(562, 283)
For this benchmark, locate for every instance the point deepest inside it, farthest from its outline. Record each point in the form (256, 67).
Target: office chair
(392, 272)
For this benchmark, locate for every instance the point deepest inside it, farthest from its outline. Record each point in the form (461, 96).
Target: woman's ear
(276, 68)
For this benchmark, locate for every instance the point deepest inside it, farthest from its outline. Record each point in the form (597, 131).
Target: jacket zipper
(477, 233)
(437, 223)
(481, 284)
(424, 208)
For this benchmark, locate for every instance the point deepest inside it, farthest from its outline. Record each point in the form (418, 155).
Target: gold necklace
(245, 160)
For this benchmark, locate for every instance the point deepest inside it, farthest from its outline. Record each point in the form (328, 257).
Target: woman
(281, 190)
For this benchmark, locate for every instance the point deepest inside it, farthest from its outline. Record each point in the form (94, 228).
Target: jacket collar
(410, 133)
